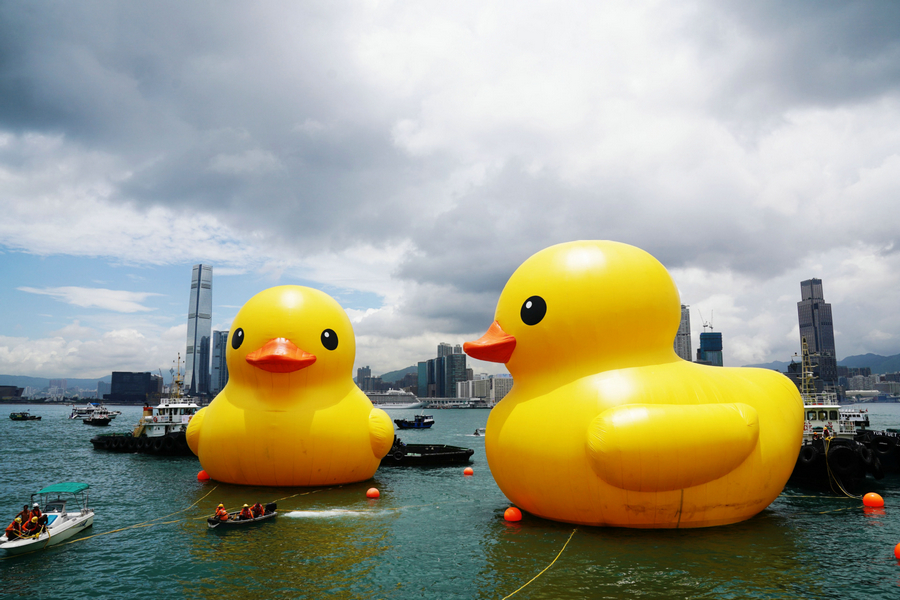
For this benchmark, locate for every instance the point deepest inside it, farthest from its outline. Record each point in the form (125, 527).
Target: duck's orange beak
(280, 356)
(494, 346)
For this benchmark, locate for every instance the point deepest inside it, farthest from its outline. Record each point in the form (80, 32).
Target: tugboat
(161, 429)
(24, 416)
(830, 457)
(419, 422)
(419, 455)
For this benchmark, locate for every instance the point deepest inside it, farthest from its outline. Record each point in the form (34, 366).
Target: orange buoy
(873, 500)
(202, 475)
(373, 493)
(468, 471)
(897, 551)
(514, 514)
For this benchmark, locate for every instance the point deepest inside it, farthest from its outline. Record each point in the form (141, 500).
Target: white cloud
(115, 300)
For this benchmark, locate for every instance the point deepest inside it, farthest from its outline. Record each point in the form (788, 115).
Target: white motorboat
(95, 411)
(65, 517)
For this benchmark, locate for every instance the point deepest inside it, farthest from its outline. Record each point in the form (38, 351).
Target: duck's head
(290, 334)
(583, 307)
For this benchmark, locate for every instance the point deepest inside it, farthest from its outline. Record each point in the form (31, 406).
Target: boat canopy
(67, 487)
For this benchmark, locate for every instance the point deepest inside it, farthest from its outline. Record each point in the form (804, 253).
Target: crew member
(221, 513)
(257, 510)
(245, 513)
(36, 512)
(32, 527)
(14, 531)
(25, 515)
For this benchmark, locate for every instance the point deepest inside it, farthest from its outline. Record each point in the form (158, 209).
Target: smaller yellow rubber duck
(290, 414)
(605, 424)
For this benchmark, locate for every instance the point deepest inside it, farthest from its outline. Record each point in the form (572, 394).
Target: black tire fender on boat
(132, 444)
(882, 445)
(398, 456)
(867, 457)
(877, 470)
(157, 444)
(169, 443)
(843, 461)
(808, 455)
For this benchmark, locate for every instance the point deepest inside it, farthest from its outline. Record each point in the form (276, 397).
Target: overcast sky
(406, 157)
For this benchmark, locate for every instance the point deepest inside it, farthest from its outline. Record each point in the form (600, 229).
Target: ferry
(66, 507)
(395, 399)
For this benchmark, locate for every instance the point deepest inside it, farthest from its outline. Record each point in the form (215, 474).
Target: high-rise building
(196, 362)
(219, 367)
(134, 388)
(456, 372)
(423, 378)
(361, 374)
(683, 337)
(817, 328)
(444, 349)
(710, 350)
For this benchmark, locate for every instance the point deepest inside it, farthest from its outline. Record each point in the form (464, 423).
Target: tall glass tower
(818, 328)
(219, 367)
(683, 337)
(196, 363)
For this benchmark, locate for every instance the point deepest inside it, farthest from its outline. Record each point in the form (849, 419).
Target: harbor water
(433, 533)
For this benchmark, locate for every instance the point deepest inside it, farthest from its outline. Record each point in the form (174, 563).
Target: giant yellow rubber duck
(605, 424)
(290, 414)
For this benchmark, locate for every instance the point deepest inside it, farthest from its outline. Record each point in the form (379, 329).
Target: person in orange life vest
(221, 513)
(257, 510)
(14, 530)
(36, 512)
(32, 527)
(245, 513)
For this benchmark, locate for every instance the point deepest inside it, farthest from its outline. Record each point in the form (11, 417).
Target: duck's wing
(659, 447)
(192, 434)
(381, 432)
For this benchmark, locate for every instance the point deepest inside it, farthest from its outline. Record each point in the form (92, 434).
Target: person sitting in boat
(257, 510)
(221, 513)
(31, 527)
(246, 513)
(25, 515)
(14, 531)
(36, 512)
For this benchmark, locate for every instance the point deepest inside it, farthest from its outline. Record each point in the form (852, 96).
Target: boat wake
(330, 514)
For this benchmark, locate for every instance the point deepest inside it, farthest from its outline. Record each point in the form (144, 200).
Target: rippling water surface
(433, 534)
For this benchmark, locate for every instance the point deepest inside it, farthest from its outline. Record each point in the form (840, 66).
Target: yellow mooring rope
(545, 568)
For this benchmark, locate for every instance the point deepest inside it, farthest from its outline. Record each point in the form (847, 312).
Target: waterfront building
(219, 367)
(444, 349)
(361, 374)
(422, 372)
(196, 363)
(500, 387)
(455, 364)
(710, 351)
(683, 337)
(134, 388)
(817, 327)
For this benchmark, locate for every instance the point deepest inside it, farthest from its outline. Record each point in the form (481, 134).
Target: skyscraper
(818, 329)
(219, 367)
(683, 337)
(710, 349)
(196, 362)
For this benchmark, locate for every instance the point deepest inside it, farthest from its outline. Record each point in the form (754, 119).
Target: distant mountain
(876, 362)
(24, 381)
(395, 376)
(777, 365)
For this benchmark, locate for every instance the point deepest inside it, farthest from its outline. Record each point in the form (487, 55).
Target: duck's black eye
(533, 310)
(238, 338)
(329, 339)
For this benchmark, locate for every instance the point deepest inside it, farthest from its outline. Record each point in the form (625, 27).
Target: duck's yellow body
(290, 414)
(605, 424)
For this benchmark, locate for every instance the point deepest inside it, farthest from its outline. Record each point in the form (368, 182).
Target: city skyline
(406, 161)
